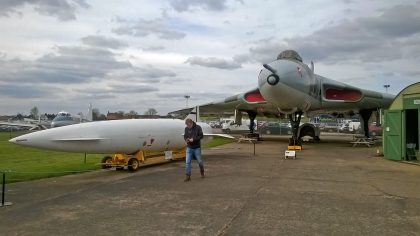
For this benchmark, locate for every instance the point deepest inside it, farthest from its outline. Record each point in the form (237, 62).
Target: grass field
(24, 163)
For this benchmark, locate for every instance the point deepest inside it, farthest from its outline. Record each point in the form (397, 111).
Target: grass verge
(24, 163)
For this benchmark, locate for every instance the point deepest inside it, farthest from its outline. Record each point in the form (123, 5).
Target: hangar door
(393, 135)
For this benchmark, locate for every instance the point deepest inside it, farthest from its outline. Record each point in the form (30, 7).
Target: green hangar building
(401, 125)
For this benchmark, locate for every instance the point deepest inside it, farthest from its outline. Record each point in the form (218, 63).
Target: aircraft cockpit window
(62, 118)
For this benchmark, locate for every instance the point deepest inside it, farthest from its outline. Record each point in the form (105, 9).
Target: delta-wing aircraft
(289, 87)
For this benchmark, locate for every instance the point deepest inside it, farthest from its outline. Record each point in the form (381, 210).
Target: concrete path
(331, 189)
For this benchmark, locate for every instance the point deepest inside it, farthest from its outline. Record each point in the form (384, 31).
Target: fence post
(3, 193)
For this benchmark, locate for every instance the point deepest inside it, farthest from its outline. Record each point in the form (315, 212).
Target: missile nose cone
(18, 140)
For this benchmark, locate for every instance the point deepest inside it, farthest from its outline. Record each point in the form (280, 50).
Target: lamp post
(186, 97)
(386, 86)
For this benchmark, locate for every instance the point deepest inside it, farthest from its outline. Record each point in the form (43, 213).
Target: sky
(134, 55)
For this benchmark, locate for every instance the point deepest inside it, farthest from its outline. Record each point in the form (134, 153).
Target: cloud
(64, 10)
(264, 51)
(114, 91)
(188, 5)
(68, 65)
(144, 74)
(143, 28)
(152, 72)
(214, 63)
(390, 35)
(375, 38)
(23, 91)
(119, 89)
(103, 42)
(153, 48)
(179, 96)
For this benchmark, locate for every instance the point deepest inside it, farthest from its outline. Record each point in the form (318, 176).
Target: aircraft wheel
(106, 162)
(133, 164)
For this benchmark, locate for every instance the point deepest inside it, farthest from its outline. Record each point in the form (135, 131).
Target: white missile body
(116, 136)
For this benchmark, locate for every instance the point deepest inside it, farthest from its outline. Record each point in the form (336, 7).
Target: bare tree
(96, 114)
(34, 112)
(132, 113)
(151, 111)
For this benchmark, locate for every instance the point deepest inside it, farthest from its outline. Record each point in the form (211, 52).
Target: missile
(115, 136)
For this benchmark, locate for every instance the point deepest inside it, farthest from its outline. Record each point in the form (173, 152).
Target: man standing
(193, 135)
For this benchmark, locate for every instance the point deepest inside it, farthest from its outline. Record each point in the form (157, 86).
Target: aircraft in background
(64, 118)
(288, 87)
(26, 123)
(22, 126)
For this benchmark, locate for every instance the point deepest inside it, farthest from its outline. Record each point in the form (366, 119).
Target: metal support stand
(4, 192)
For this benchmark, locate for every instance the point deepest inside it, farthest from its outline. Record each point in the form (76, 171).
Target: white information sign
(168, 155)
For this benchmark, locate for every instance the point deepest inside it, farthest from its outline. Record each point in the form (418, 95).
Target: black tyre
(133, 164)
(227, 131)
(106, 162)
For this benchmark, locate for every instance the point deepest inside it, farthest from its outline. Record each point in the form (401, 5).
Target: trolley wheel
(133, 164)
(106, 162)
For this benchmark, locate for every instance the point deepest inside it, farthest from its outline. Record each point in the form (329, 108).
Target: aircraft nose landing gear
(295, 143)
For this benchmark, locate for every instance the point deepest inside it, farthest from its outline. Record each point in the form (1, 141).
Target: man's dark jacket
(196, 133)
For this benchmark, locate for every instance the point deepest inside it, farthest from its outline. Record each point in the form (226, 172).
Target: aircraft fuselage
(291, 86)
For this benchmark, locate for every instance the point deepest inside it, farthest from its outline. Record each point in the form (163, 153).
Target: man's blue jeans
(190, 153)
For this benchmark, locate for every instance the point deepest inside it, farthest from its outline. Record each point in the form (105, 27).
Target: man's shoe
(202, 174)
(187, 178)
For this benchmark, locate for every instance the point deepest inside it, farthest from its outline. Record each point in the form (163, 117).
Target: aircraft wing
(248, 101)
(23, 125)
(340, 95)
